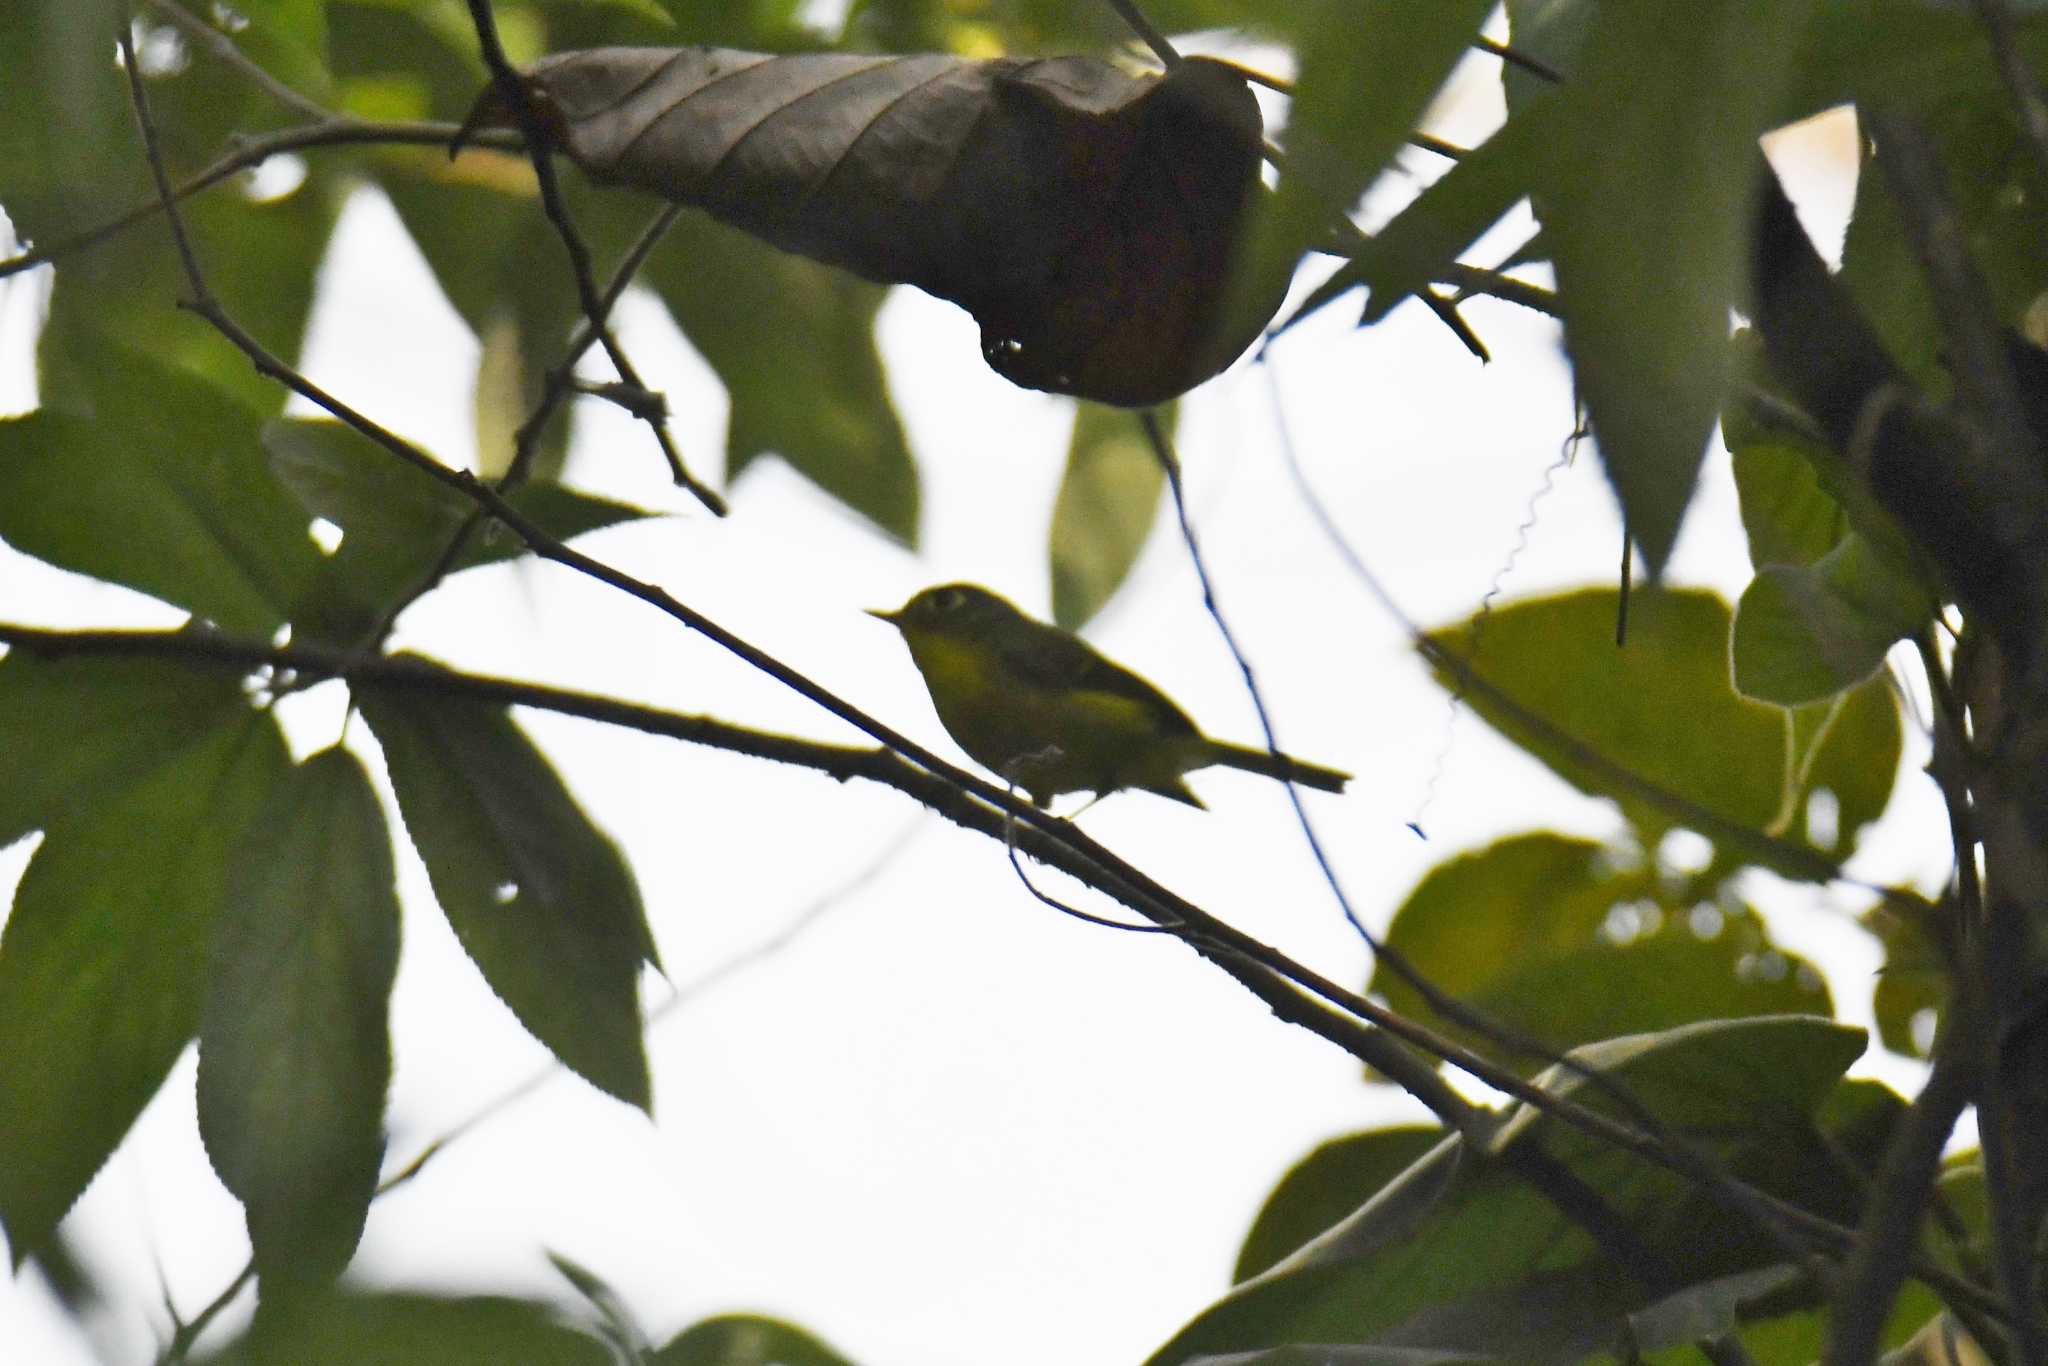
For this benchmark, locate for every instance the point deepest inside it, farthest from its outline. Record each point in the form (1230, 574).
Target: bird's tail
(1281, 766)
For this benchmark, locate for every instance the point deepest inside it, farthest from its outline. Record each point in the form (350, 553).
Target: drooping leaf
(103, 961)
(294, 1046)
(1087, 218)
(1325, 1187)
(822, 405)
(1807, 632)
(161, 488)
(540, 898)
(411, 1330)
(1520, 931)
(746, 1340)
(1368, 73)
(1108, 500)
(1458, 1255)
(1645, 204)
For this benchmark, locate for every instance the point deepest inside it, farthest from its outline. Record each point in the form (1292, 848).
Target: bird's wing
(1056, 659)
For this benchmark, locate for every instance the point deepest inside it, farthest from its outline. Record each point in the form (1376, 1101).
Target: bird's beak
(889, 617)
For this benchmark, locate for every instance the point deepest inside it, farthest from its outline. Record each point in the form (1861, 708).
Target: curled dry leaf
(1088, 218)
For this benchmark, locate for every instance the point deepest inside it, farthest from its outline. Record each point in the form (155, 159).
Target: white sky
(945, 1123)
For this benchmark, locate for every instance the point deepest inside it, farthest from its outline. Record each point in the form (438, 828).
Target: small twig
(187, 1335)
(225, 49)
(139, 101)
(1514, 57)
(1017, 866)
(520, 102)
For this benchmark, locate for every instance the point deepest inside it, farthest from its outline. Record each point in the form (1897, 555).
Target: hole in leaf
(324, 534)
(1823, 818)
(505, 893)
(273, 179)
(1921, 1029)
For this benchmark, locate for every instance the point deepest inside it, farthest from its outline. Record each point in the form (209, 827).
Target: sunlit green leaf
(540, 898)
(794, 343)
(1645, 206)
(1788, 516)
(1807, 632)
(163, 489)
(1326, 1186)
(1107, 503)
(1521, 932)
(1856, 762)
(294, 1048)
(103, 962)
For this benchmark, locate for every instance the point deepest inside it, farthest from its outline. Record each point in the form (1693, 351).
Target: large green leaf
(1645, 205)
(1108, 500)
(745, 1340)
(1787, 515)
(1325, 1187)
(1461, 1254)
(541, 900)
(411, 1330)
(103, 962)
(396, 522)
(1849, 748)
(67, 137)
(1660, 706)
(1520, 931)
(794, 343)
(67, 727)
(1368, 73)
(162, 488)
(1898, 51)
(294, 1048)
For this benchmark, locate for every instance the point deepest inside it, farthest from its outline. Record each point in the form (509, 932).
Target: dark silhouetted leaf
(411, 1330)
(1649, 234)
(1107, 503)
(294, 1047)
(1325, 1187)
(103, 961)
(540, 898)
(1087, 218)
(745, 1340)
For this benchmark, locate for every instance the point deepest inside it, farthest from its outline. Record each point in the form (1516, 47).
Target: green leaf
(1035, 26)
(746, 1340)
(396, 522)
(541, 900)
(1850, 749)
(1551, 31)
(1788, 516)
(1807, 632)
(103, 962)
(1107, 503)
(67, 727)
(1915, 975)
(1368, 73)
(1465, 1256)
(294, 1047)
(411, 1330)
(1661, 706)
(794, 344)
(67, 136)
(1520, 932)
(287, 38)
(1899, 51)
(1441, 222)
(163, 489)
(1646, 207)
(1324, 1187)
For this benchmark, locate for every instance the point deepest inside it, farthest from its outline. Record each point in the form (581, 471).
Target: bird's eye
(948, 599)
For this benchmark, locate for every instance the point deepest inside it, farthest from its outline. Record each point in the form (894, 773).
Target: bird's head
(951, 609)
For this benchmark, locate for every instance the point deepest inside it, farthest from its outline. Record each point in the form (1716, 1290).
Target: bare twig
(514, 93)
(1128, 11)
(187, 1334)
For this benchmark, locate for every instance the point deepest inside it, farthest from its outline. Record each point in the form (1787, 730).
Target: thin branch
(224, 49)
(187, 1335)
(514, 93)
(1535, 66)
(151, 148)
(1128, 11)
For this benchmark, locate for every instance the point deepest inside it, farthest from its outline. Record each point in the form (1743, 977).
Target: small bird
(1039, 706)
